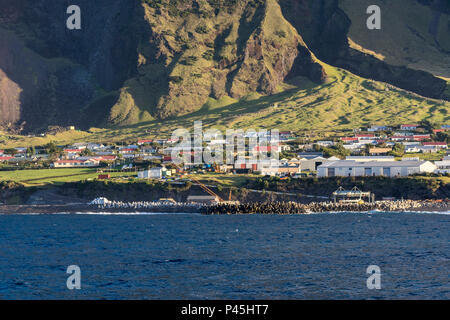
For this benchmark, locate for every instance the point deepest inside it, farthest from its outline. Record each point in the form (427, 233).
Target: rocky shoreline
(279, 208)
(322, 207)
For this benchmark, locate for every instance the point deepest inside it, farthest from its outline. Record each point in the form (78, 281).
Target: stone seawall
(317, 207)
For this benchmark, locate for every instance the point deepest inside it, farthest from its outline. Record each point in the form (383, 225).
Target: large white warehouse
(350, 168)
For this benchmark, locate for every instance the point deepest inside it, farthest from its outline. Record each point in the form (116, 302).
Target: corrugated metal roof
(353, 164)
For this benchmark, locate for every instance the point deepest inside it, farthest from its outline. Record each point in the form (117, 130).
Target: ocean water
(188, 256)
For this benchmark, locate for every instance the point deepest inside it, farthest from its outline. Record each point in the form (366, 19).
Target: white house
(88, 163)
(325, 143)
(375, 128)
(436, 145)
(412, 149)
(443, 166)
(154, 173)
(350, 168)
(409, 127)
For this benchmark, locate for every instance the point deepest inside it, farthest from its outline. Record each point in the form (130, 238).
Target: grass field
(50, 176)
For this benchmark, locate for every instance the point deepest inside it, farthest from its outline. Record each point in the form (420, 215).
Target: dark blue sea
(186, 256)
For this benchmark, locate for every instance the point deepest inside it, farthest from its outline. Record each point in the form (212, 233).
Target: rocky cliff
(137, 60)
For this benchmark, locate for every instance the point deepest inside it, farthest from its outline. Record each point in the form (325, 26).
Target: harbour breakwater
(104, 204)
(282, 208)
(318, 207)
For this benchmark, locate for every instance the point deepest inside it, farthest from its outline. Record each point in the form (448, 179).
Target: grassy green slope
(345, 102)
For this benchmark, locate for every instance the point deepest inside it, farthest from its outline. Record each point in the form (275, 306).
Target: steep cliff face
(200, 49)
(53, 73)
(137, 60)
(325, 28)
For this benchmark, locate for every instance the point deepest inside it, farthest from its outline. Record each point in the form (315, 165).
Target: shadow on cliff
(325, 27)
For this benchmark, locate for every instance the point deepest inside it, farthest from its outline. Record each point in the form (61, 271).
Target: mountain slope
(143, 61)
(414, 36)
(344, 102)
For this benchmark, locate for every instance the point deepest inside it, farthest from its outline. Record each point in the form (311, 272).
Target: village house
(21, 150)
(398, 138)
(443, 167)
(127, 151)
(106, 158)
(353, 148)
(95, 147)
(437, 145)
(286, 136)
(253, 164)
(306, 147)
(144, 142)
(349, 139)
(217, 142)
(266, 149)
(155, 173)
(104, 153)
(150, 157)
(67, 163)
(351, 168)
(412, 149)
(78, 145)
(409, 127)
(378, 128)
(149, 150)
(421, 137)
(325, 143)
(283, 167)
(6, 158)
(72, 153)
(369, 137)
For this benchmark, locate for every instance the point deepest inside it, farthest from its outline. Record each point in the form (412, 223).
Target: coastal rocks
(277, 208)
(103, 204)
(318, 207)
